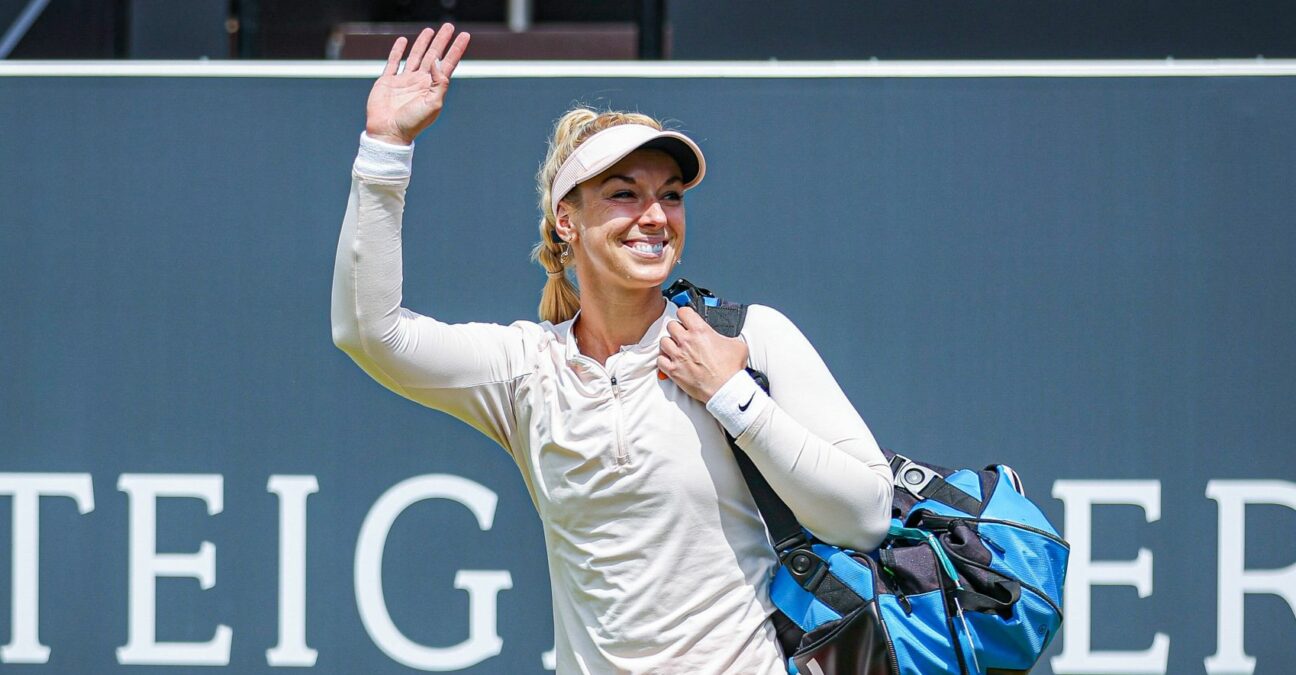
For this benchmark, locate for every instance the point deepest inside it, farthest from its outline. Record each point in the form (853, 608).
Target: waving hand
(402, 104)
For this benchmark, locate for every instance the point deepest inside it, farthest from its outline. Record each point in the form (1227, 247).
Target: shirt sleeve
(806, 438)
(467, 370)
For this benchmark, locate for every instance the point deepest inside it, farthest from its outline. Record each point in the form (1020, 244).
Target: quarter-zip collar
(648, 343)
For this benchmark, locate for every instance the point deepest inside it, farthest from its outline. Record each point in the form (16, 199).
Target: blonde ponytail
(560, 298)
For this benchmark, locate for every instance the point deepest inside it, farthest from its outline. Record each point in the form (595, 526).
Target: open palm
(402, 104)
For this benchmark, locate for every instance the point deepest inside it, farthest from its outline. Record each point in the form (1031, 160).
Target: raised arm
(466, 370)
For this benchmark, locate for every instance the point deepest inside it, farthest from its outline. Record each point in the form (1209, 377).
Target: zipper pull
(904, 602)
(990, 544)
(899, 594)
(967, 630)
(887, 558)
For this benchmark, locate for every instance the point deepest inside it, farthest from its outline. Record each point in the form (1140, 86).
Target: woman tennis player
(614, 405)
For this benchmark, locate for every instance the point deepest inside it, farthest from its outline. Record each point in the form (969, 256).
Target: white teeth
(645, 247)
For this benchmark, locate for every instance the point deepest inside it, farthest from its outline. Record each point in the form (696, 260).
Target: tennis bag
(968, 581)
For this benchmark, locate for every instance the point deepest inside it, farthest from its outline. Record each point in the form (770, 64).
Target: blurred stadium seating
(622, 29)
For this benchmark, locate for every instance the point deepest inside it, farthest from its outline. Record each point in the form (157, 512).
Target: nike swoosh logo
(744, 406)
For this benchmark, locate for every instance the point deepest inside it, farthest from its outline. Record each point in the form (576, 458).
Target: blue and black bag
(967, 582)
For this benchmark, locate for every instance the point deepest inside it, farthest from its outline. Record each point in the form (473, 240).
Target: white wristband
(377, 159)
(738, 403)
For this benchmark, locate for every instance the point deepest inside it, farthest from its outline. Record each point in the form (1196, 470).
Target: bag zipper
(1033, 530)
(891, 650)
(945, 522)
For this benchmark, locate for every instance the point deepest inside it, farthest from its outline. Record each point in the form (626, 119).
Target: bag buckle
(804, 565)
(912, 476)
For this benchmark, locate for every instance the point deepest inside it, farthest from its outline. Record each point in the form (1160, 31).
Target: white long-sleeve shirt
(658, 559)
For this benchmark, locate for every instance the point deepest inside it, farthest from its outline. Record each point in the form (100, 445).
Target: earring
(679, 261)
(565, 254)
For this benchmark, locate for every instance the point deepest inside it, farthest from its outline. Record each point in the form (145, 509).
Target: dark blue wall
(981, 29)
(1084, 278)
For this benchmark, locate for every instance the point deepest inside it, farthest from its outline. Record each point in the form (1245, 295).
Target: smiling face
(626, 225)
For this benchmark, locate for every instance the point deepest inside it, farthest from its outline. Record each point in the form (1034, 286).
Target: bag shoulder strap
(727, 319)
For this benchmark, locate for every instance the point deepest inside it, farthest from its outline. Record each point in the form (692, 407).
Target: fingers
(438, 59)
(439, 42)
(676, 330)
(456, 52)
(670, 348)
(420, 47)
(691, 319)
(427, 53)
(393, 59)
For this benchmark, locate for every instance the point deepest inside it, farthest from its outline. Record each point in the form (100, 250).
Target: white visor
(607, 147)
